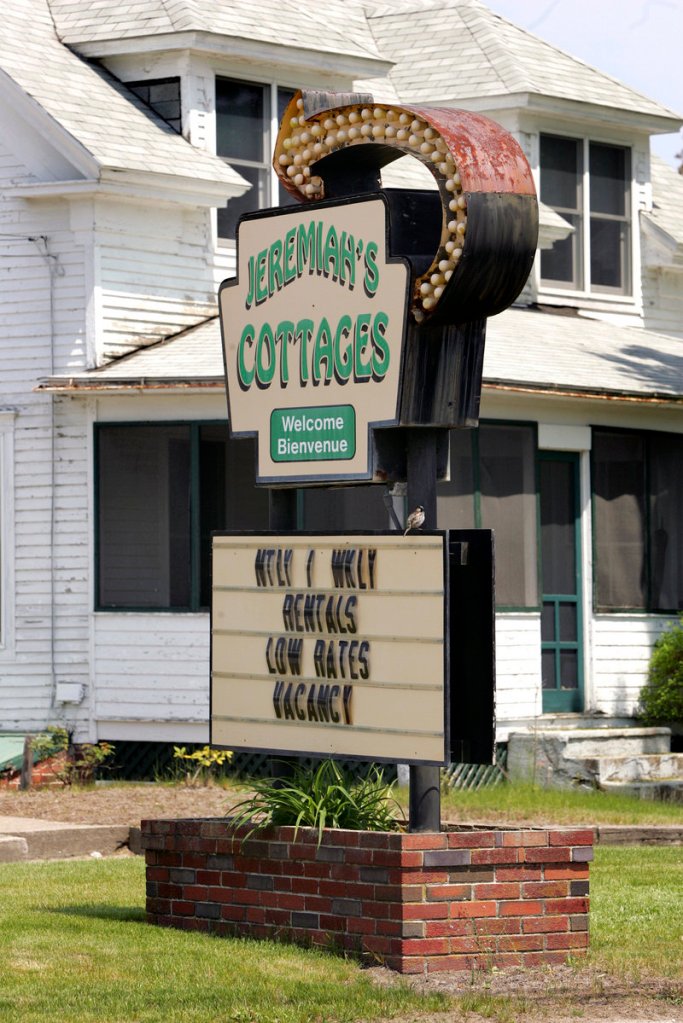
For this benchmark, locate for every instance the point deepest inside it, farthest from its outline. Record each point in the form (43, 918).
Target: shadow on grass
(122, 914)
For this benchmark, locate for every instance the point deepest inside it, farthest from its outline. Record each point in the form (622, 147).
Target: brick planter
(467, 898)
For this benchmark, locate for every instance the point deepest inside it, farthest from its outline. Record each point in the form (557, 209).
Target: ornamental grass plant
(324, 796)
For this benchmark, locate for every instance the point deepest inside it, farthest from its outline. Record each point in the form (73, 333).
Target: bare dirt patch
(118, 804)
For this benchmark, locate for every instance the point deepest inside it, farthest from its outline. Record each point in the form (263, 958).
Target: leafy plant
(73, 763)
(321, 797)
(204, 762)
(661, 700)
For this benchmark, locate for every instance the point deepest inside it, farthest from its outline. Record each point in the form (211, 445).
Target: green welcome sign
(313, 329)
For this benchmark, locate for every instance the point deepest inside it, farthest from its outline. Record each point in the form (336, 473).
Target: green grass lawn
(527, 803)
(74, 948)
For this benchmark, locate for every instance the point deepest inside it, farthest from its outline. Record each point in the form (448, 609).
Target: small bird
(415, 519)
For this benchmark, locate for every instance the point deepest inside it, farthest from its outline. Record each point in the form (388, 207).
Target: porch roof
(527, 349)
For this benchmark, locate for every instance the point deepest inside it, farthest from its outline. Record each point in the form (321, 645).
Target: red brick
(450, 892)
(283, 900)
(454, 963)
(568, 872)
(544, 958)
(472, 909)
(425, 911)
(576, 940)
(521, 873)
(471, 840)
(448, 928)
(545, 924)
(520, 942)
(473, 945)
(566, 906)
(426, 946)
(496, 925)
(545, 889)
(507, 856)
(182, 908)
(581, 836)
(510, 890)
(360, 925)
(419, 876)
(546, 855)
(418, 841)
(525, 838)
(524, 907)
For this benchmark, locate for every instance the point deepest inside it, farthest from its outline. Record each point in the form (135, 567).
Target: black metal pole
(424, 810)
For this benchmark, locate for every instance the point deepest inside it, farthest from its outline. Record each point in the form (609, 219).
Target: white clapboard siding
(663, 302)
(518, 667)
(622, 645)
(152, 668)
(155, 273)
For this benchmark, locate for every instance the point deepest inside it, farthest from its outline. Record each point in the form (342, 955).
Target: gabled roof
(526, 350)
(339, 27)
(104, 126)
(456, 51)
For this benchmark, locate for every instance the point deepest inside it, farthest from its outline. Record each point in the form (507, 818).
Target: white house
(130, 142)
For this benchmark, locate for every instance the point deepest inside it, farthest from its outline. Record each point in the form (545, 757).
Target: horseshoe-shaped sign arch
(487, 207)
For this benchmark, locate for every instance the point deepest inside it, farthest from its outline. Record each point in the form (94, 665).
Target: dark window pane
(562, 263)
(610, 248)
(569, 669)
(619, 519)
(548, 623)
(561, 172)
(241, 120)
(163, 96)
(548, 678)
(144, 501)
(666, 518)
(455, 499)
(609, 175)
(507, 484)
(568, 623)
(558, 515)
(284, 98)
(252, 199)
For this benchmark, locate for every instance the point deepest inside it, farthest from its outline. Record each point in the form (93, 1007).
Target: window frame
(194, 427)
(271, 125)
(585, 286)
(648, 608)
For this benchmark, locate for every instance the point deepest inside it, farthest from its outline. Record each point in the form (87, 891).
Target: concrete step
(670, 791)
(24, 838)
(653, 767)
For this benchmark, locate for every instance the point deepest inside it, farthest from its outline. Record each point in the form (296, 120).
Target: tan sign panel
(313, 334)
(331, 645)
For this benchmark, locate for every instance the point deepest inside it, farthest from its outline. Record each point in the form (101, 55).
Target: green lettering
(275, 281)
(245, 376)
(265, 370)
(348, 259)
(331, 253)
(261, 291)
(323, 350)
(381, 354)
(371, 277)
(305, 251)
(362, 370)
(284, 335)
(302, 335)
(343, 357)
(290, 264)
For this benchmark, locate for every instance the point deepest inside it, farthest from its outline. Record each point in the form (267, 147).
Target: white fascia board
(576, 111)
(272, 54)
(12, 96)
(159, 188)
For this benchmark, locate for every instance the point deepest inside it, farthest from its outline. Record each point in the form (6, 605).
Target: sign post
(353, 340)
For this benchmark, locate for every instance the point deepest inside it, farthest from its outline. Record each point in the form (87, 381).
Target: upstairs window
(247, 119)
(589, 185)
(163, 96)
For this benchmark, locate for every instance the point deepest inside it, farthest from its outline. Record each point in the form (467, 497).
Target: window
(637, 516)
(163, 96)
(493, 486)
(247, 119)
(161, 490)
(589, 185)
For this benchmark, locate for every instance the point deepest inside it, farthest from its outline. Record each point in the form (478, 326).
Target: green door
(561, 611)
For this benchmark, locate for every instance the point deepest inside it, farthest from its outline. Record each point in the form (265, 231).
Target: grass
(637, 911)
(519, 803)
(75, 949)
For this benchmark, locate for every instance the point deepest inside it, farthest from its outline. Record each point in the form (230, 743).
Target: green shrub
(320, 797)
(661, 700)
(203, 763)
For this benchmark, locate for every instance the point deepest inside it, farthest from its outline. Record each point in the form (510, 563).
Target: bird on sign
(415, 520)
